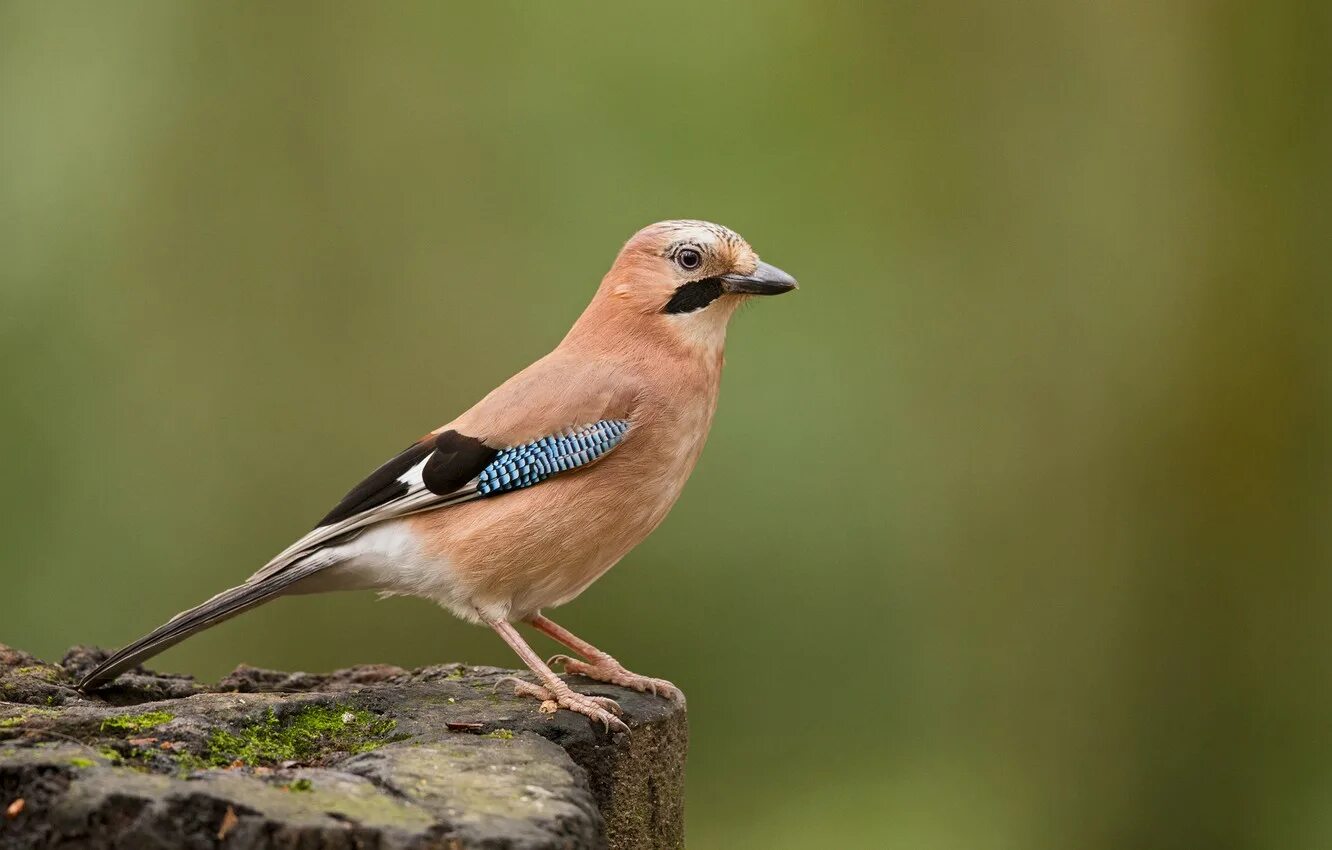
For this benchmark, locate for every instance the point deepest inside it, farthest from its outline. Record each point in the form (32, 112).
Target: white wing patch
(416, 499)
(413, 477)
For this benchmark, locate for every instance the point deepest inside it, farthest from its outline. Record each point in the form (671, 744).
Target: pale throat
(704, 331)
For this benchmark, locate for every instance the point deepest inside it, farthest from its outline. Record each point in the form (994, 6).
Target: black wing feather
(379, 487)
(455, 459)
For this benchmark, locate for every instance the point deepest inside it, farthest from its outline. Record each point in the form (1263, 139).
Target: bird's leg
(600, 665)
(553, 691)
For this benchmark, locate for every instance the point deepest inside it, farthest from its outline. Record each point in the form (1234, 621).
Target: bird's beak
(765, 280)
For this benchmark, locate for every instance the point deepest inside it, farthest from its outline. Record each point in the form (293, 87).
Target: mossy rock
(372, 756)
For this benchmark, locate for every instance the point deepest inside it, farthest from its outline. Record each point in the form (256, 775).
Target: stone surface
(368, 757)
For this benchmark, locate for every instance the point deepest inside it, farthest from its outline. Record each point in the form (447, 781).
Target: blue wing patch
(534, 462)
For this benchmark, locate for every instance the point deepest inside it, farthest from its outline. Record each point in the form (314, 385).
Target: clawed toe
(600, 709)
(596, 708)
(668, 690)
(616, 675)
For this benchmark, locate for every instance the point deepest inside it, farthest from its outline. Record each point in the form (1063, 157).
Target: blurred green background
(1013, 529)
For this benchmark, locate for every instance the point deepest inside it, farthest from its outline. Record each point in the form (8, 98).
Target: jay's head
(689, 277)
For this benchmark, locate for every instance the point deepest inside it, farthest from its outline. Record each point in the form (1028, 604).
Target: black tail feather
(223, 606)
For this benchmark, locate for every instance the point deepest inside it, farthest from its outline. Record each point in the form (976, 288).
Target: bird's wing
(555, 416)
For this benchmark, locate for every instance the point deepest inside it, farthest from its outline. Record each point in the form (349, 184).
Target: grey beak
(765, 280)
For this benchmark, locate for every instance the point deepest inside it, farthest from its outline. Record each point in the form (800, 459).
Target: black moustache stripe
(694, 295)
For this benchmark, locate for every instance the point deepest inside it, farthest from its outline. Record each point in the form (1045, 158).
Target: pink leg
(602, 667)
(556, 693)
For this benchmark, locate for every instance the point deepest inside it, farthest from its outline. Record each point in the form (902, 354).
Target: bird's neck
(613, 328)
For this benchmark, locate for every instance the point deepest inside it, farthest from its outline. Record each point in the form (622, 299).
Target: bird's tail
(223, 606)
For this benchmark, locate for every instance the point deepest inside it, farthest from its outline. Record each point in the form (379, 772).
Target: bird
(519, 504)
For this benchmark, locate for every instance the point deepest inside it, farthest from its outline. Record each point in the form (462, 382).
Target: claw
(609, 721)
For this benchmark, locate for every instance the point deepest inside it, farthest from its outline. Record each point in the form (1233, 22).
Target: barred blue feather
(534, 462)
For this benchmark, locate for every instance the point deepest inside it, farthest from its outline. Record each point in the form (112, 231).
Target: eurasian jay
(527, 498)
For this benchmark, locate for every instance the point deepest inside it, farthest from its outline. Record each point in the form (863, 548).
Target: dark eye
(689, 259)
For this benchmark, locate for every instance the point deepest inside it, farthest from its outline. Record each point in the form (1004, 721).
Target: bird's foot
(612, 672)
(600, 709)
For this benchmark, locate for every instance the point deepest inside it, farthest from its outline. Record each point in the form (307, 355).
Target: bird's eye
(689, 259)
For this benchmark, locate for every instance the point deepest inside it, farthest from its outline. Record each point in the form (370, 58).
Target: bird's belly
(540, 547)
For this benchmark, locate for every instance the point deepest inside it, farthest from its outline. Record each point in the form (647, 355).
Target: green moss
(306, 736)
(456, 673)
(41, 671)
(109, 754)
(500, 734)
(29, 714)
(300, 785)
(82, 762)
(136, 722)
